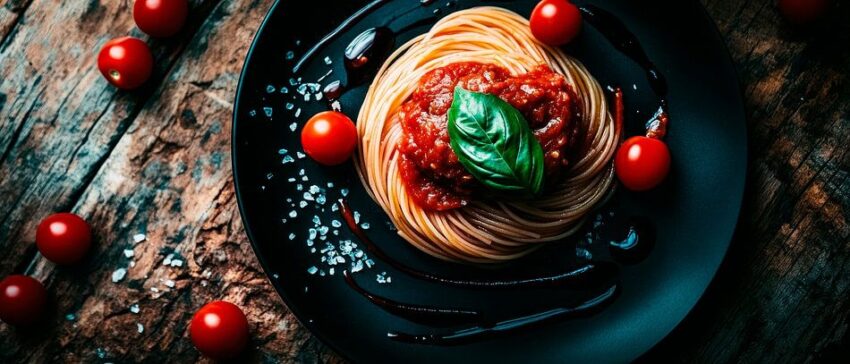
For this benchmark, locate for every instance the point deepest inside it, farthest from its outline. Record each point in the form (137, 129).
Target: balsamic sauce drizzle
(484, 330)
(627, 43)
(334, 33)
(416, 313)
(588, 275)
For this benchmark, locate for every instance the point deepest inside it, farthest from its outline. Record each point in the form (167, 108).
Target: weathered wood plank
(59, 119)
(166, 174)
(10, 14)
(782, 294)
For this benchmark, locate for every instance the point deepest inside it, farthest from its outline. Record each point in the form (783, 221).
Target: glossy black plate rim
(728, 64)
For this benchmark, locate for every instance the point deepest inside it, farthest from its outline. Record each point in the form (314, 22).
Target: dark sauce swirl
(627, 43)
(416, 313)
(588, 275)
(485, 330)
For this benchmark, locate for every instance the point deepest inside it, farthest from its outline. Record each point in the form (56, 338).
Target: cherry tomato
(801, 12)
(329, 137)
(555, 22)
(22, 300)
(642, 163)
(126, 62)
(63, 238)
(160, 18)
(219, 330)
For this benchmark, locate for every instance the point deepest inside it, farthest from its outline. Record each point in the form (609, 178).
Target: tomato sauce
(431, 172)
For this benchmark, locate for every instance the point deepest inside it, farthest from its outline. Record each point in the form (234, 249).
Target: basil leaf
(493, 141)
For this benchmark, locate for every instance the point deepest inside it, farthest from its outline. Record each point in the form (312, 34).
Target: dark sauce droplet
(366, 53)
(637, 243)
(333, 90)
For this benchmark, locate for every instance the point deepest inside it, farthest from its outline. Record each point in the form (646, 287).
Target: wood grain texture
(156, 161)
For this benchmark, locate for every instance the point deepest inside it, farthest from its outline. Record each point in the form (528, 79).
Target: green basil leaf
(493, 141)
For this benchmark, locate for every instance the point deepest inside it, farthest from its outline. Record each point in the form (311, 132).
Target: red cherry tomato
(63, 238)
(22, 300)
(802, 12)
(125, 62)
(642, 163)
(329, 137)
(160, 18)
(219, 330)
(555, 22)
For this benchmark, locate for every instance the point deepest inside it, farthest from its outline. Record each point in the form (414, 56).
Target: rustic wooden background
(156, 161)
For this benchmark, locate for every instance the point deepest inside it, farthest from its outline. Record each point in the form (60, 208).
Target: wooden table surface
(156, 161)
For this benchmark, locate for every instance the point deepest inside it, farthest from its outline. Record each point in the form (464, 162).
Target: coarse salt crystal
(138, 238)
(118, 275)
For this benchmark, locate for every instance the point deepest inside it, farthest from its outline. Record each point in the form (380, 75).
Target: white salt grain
(118, 275)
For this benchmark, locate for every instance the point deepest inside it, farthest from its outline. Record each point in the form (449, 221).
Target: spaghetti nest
(485, 230)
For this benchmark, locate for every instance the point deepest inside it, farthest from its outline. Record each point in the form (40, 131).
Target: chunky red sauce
(432, 175)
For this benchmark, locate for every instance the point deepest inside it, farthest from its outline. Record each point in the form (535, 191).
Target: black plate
(695, 210)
